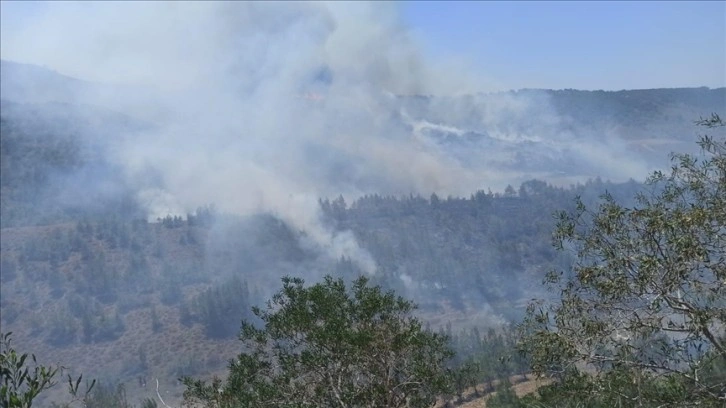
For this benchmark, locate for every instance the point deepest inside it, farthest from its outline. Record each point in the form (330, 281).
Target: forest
(91, 281)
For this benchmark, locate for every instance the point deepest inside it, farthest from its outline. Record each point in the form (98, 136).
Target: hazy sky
(582, 45)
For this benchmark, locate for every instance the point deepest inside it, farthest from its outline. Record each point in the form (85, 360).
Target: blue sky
(583, 45)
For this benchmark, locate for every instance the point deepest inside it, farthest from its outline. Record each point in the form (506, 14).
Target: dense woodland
(88, 281)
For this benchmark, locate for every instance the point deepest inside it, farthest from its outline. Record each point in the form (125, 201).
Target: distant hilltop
(22, 74)
(461, 142)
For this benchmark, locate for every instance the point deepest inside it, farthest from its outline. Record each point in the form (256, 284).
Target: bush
(326, 345)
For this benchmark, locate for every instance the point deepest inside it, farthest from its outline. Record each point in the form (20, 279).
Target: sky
(583, 45)
(556, 45)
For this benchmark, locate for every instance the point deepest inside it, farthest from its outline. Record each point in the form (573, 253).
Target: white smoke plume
(266, 106)
(253, 106)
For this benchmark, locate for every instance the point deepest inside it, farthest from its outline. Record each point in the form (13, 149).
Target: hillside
(88, 292)
(109, 268)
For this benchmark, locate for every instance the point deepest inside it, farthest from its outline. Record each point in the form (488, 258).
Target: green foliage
(187, 366)
(96, 324)
(618, 388)
(327, 345)
(505, 397)
(149, 403)
(644, 309)
(20, 386)
(465, 376)
(50, 174)
(485, 358)
(221, 308)
(62, 329)
(106, 396)
(485, 248)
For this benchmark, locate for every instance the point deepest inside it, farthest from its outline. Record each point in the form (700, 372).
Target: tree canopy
(330, 346)
(640, 319)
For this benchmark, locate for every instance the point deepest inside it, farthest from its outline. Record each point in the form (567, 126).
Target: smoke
(252, 106)
(266, 106)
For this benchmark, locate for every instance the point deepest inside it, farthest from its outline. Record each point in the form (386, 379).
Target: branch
(690, 310)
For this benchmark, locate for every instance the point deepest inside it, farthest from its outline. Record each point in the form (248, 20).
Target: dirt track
(521, 389)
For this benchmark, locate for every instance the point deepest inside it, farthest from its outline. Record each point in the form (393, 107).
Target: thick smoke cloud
(252, 106)
(268, 106)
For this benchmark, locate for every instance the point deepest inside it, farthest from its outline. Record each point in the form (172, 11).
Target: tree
(331, 346)
(219, 308)
(505, 397)
(20, 386)
(644, 307)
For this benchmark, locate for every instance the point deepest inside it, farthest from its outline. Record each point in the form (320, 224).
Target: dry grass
(520, 388)
(165, 351)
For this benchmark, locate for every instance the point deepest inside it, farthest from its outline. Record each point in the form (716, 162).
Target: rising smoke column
(265, 107)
